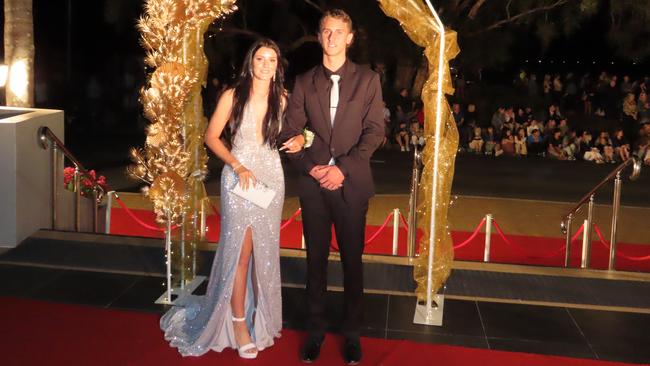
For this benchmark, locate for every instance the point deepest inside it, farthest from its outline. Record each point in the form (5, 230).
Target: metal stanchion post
(168, 253)
(55, 184)
(586, 246)
(488, 237)
(109, 207)
(395, 230)
(413, 202)
(77, 200)
(615, 209)
(567, 249)
(584, 261)
(95, 210)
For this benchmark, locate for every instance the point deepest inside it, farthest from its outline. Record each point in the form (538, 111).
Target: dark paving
(603, 335)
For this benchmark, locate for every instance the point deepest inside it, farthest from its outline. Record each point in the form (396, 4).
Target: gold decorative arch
(173, 162)
(420, 25)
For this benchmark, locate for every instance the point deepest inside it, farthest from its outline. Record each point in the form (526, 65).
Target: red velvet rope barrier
(383, 226)
(478, 228)
(496, 226)
(136, 219)
(214, 209)
(290, 220)
(403, 220)
(374, 235)
(618, 254)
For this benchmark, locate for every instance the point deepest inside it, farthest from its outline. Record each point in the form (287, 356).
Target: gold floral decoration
(419, 24)
(172, 35)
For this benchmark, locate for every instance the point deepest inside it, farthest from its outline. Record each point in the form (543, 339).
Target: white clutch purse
(259, 194)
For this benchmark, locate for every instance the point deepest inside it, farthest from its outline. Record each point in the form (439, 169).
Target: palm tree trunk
(19, 52)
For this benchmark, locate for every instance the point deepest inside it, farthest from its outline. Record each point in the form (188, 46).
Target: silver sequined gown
(203, 323)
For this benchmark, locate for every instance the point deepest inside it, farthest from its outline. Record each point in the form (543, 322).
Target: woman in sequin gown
(242, 307)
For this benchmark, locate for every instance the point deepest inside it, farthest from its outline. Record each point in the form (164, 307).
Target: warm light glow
(4, 69)
(18, 79)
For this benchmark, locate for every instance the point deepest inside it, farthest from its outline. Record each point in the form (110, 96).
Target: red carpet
(524, 249)
(43, 333)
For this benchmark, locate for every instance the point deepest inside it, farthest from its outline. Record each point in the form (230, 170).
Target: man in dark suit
(341, 103)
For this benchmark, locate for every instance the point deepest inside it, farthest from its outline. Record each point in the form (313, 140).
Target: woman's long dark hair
(242, 88)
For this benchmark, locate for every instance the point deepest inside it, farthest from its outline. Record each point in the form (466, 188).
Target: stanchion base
(434, 315)
(177, 293)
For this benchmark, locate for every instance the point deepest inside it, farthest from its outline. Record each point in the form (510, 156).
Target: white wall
(25, 173)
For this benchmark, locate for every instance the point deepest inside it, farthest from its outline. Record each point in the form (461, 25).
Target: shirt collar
(341, 71)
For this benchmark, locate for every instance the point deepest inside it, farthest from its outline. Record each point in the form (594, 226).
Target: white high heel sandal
(242, 349)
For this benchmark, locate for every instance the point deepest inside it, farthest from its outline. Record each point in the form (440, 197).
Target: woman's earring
(274, 77)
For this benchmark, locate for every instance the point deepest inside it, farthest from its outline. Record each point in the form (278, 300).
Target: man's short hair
(337, 14)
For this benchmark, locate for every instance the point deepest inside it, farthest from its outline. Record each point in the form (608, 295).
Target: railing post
(77, 199)
(586, 259)
(413, 202)
(109, 206)
(585, 247)
(395, 230)
(488, 237)
(95, 210)
(567, 250)
(615, 209)
(55, 184)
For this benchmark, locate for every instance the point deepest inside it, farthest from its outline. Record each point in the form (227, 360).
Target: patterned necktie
(334, 97)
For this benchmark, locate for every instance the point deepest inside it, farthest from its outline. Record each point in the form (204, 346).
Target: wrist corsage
(309, 137)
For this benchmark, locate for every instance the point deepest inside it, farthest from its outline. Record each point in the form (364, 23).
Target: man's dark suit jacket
(358, 127)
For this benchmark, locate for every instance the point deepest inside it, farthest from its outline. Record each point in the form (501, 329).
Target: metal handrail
(589, 198)
(45, 135)
(635, 173)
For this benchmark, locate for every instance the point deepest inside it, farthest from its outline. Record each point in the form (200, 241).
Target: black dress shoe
(352, 352)
(311, 349)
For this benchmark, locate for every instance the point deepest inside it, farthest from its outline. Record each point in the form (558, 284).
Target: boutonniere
(309, 137)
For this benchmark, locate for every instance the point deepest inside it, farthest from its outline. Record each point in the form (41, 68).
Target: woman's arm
(218, 122)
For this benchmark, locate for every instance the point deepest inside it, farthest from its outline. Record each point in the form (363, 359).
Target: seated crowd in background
(545, 132)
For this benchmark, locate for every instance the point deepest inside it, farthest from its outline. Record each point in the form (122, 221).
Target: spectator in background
(604, 145)
(564, 126)
(490, 140)
(471, 116)
(521, 117)
(642, 144)
(621, 145)
(388, 127)
(404, 107)
(402, 136)
(554, 148)
(535, 143)
(588, 150)
(630, 113)
(476, 144)
(507, 142)
(520, 142)
(534, 125)
(553, 113)
(570, 144)
(626, 85)
(417, 134)
(498, 119)
(570, 93)
(612, 97)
